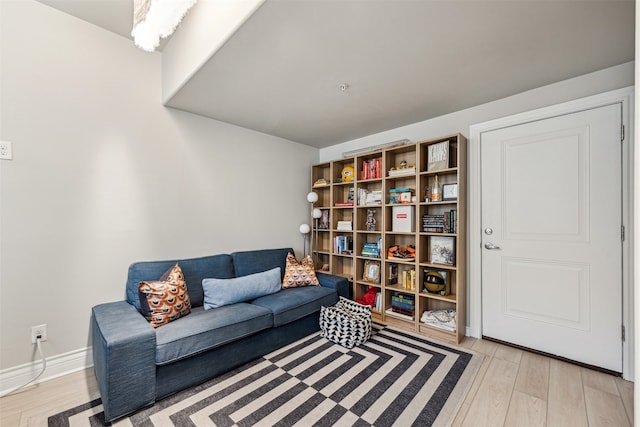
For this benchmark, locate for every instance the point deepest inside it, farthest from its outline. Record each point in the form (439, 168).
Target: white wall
(594, 83)
(589, 84)
(103, 176)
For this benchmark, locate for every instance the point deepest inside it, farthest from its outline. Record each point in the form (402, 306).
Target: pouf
(346, 323)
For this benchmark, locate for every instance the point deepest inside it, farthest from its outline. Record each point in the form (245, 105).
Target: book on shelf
(402, 171)
(403, 298)
(362, 196)
(369, 197)
(402, 308)
(321, 182)
(398, 310)
(371, 169)
(372, 249)
(343, 245)
(409, 279)
(442, 250)
(438, 156)
(392, 274)
(344, 226)
(342, 204)
(378, 306)
(402, 303)
(373, 198)
(399, 315)
(440, 223)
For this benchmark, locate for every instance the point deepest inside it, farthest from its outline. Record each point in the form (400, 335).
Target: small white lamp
(317, 214)
(312, 197)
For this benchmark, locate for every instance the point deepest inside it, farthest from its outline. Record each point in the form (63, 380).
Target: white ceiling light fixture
(156, 19)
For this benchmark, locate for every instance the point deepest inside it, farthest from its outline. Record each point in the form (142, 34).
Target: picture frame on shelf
(371, 272)
(450, 192)
(442, 250)
(438, 156)
(392, 274)
(324, 220)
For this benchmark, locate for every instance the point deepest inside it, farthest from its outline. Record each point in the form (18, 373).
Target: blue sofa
(136, 365)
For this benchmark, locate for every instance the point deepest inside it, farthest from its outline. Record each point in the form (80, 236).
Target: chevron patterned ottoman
(346, 323)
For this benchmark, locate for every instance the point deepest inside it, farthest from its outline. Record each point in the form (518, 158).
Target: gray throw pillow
(220, 292)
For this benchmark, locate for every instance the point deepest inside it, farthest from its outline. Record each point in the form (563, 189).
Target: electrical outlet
(6, 152)
(40, 330)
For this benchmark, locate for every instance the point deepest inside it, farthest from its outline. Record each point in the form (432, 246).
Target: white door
(551, 236)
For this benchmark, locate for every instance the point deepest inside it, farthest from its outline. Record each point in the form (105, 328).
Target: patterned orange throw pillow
(166, 299)
(299, 273)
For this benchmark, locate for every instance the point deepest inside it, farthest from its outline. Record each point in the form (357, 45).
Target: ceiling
(403, 61)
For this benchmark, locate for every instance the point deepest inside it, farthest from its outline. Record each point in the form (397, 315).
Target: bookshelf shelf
(371, 182)
(440, 172)
(447, 298)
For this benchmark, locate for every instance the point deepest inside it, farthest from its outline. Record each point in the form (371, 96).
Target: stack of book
(369, 197)
(403, 304)
(433, 223)
(440, 223)
(371, 249)
(343, 245)
(373, 198)
(402, 171)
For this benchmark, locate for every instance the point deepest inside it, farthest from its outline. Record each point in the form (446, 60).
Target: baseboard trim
(57, 366)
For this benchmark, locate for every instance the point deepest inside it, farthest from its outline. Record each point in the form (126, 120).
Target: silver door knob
(490, 245)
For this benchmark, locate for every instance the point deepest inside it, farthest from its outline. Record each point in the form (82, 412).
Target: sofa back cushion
(193, 269)
(250, 262)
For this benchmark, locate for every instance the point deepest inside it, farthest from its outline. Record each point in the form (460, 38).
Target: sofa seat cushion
(292, 304)
(206, 329)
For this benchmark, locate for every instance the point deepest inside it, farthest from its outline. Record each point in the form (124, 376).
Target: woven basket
(346, 323)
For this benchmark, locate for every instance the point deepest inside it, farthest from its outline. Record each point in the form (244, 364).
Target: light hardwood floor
(512, 388)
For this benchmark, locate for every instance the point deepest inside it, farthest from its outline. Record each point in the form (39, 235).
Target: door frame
(625, 96)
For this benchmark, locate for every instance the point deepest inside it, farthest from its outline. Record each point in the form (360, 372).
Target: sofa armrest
(124, 358)
(336, 282)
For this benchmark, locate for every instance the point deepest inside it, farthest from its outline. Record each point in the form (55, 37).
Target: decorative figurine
(371, 220)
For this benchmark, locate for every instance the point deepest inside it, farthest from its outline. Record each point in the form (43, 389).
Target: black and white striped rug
(396, 378)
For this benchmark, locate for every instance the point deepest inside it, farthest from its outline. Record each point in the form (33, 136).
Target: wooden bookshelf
(372, 181)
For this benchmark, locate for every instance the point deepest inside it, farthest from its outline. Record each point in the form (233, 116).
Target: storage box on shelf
(393, 206)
